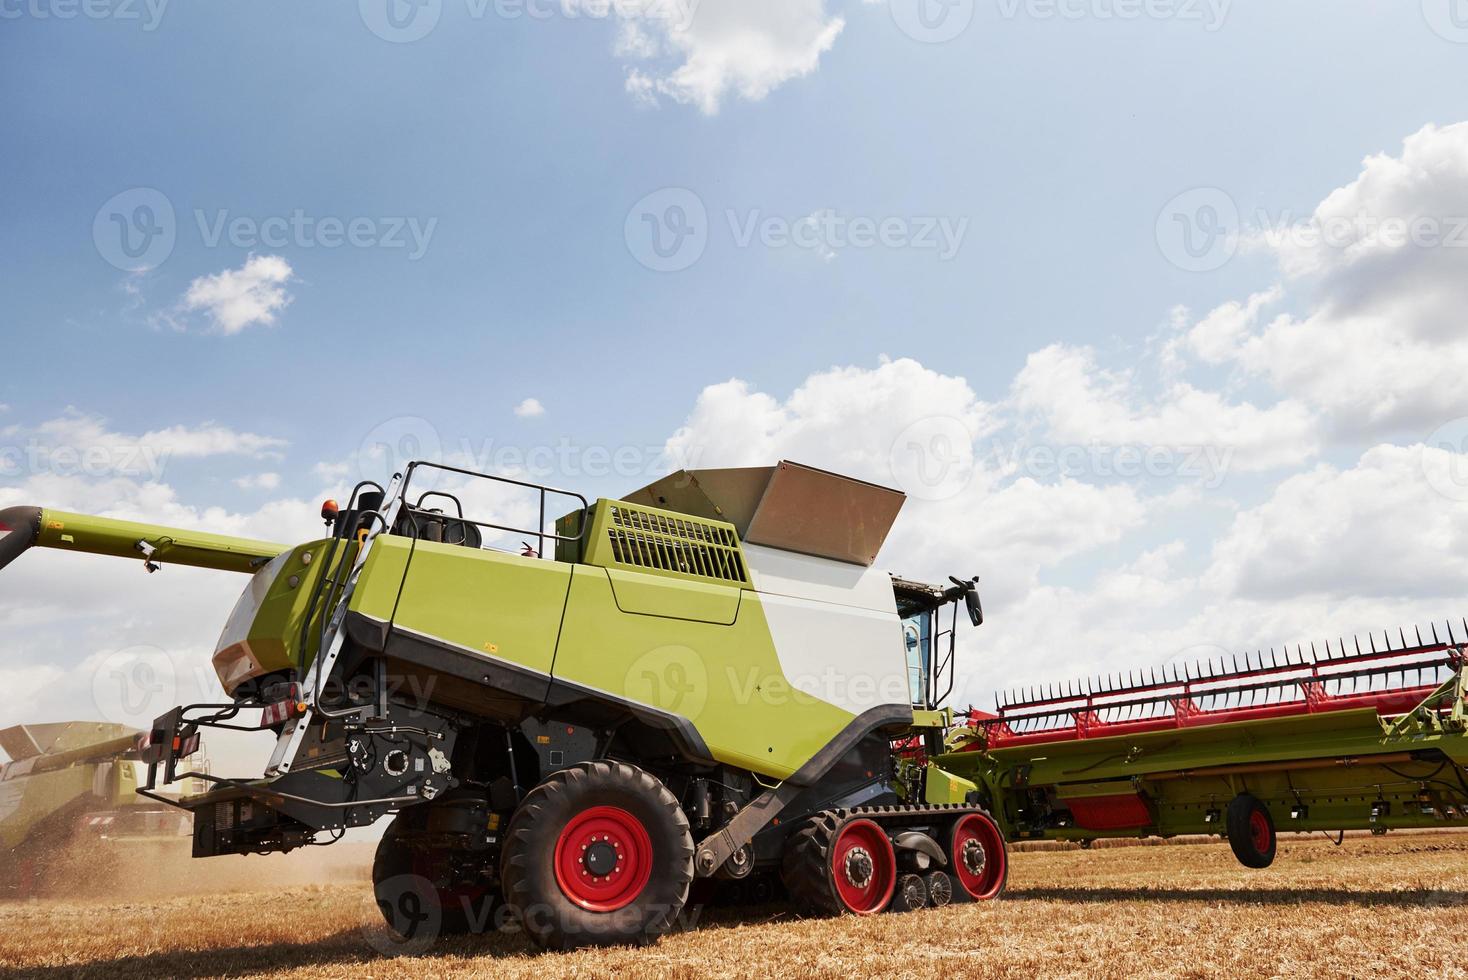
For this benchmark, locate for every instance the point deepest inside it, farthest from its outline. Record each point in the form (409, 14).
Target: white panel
(806, 577)
(849, 657)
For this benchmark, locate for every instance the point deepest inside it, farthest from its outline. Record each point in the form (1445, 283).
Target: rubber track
(806, 868)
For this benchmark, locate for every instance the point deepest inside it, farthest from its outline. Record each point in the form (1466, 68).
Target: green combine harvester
(68, 795)
(708, 682)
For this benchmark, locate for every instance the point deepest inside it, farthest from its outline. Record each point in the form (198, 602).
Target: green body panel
(941, 786)
(281, 595)
(502, 605)
(658, 595)
(1319, 766)
(103, 536)
(726, 680)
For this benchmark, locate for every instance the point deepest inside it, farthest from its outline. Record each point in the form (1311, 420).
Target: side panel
(835, 627)
(505, 606)
(726, 680)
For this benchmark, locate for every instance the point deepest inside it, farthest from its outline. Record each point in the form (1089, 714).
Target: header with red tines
(1390, 674)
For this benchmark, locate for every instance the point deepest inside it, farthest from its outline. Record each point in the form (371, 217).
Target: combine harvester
(709, 680)
(68, 799)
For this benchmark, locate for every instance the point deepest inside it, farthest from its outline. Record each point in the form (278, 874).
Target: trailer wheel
(417, 888)
(1251, 832)
(978, 858)
(598, 854)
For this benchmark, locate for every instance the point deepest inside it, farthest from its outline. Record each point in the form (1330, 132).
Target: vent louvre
(658, 541)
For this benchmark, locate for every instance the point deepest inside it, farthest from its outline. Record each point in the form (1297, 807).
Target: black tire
(940, 888)
(809, 867)
(1251, 832)
(419, 888)
(546, 845)
(911, 894)
(987, 879)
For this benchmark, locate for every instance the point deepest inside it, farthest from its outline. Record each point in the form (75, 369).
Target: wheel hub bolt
(974, 858)
(858, 867)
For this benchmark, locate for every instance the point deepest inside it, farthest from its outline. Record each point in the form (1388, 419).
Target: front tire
(418, 887)
(1251, 832)
(598, 854)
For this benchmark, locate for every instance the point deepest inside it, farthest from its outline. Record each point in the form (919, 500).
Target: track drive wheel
(977, 855)
(422, 886)
(838, 864)
(598, 854)
(1251, 831)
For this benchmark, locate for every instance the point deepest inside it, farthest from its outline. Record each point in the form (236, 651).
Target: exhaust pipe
(22, 528)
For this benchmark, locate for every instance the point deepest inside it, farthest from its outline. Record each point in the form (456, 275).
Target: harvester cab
(704, 679)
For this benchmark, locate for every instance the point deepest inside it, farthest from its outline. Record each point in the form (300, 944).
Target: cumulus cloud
(1382, 263)
(742, 47)
(1079, 402)
(239, 298)
(530, 408)
(259, 481)
(1379, 528)
(78, 443)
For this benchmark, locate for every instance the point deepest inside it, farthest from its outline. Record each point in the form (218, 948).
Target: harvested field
(1391, 906)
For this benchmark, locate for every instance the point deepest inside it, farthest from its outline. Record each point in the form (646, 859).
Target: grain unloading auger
(1365, 735)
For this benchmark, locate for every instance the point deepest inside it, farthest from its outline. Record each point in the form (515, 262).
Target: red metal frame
(1100, 711)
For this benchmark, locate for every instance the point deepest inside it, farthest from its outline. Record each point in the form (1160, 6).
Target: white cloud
(743, 47)
(530, 408)
(259, 481)
(239, 298)
(1379, 528)
(1382, 347)
(1080, 403)
(79, 444)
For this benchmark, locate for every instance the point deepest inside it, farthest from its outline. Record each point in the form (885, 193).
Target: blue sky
(520, 148)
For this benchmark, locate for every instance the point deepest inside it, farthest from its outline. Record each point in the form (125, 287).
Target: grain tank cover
(788, 506)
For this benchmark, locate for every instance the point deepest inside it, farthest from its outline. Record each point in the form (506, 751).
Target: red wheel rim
(1259, 832)
(603, 859)
(864, 867)
(978, 856)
